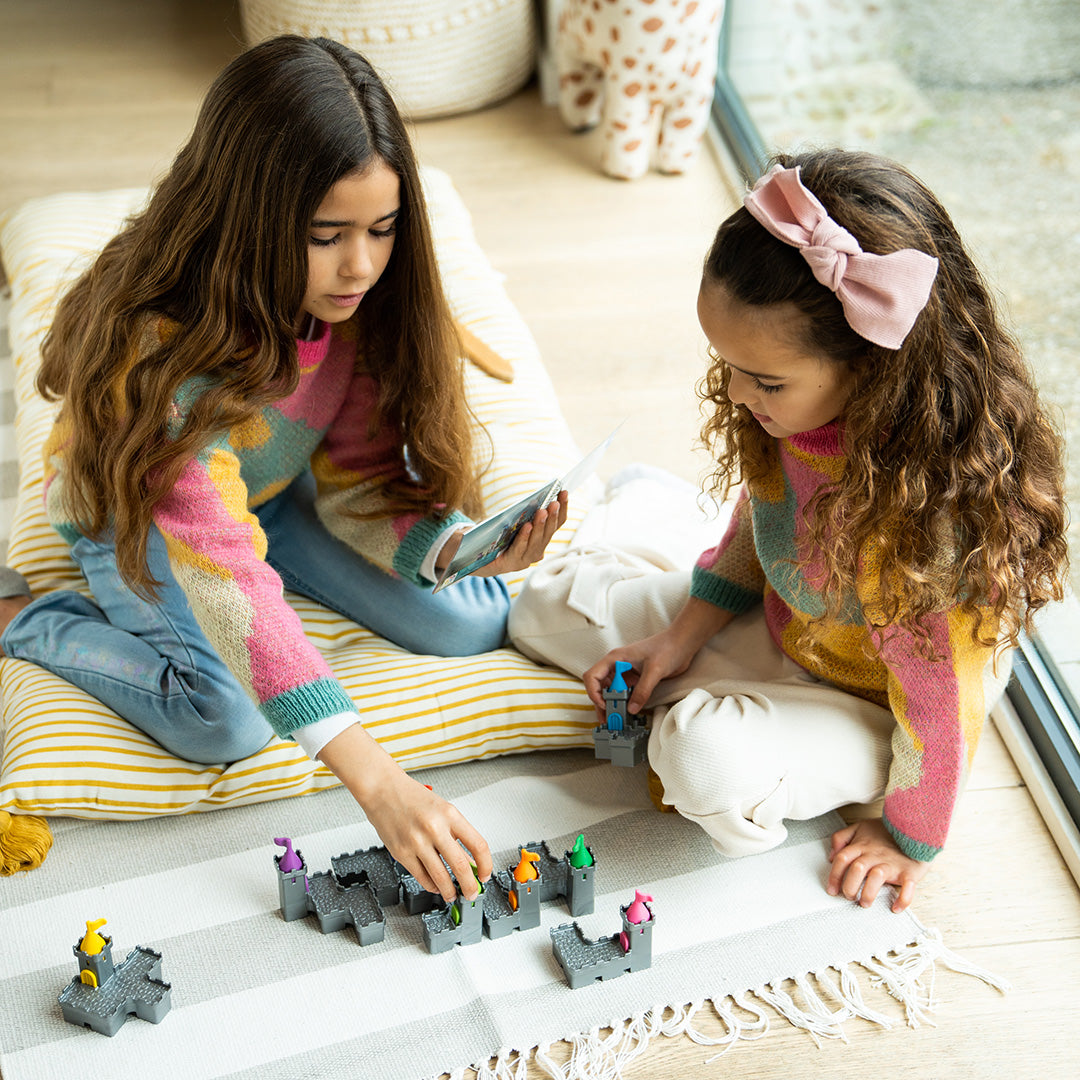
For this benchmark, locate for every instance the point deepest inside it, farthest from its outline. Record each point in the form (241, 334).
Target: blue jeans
(152, 664)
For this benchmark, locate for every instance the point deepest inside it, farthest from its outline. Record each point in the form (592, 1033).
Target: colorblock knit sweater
(938, 705)
(217, 548)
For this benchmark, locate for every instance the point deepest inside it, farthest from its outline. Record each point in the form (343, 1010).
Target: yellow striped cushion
(66, 753)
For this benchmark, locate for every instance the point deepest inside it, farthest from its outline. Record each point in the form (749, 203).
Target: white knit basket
(438, 57)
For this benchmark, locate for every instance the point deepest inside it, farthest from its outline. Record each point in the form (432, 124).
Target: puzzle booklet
(495, 534)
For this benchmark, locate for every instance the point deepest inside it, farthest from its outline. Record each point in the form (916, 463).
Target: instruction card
(486, 541)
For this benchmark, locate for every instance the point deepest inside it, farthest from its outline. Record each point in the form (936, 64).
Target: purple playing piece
(289, 860)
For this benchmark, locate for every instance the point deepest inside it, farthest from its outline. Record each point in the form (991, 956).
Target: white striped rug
(256, 997)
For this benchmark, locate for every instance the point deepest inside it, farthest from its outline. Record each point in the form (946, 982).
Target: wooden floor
(98, 95)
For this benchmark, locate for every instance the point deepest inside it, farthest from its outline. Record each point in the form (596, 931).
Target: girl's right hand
(653, 658)
(425, 833)
(422, 831)
(661, 656)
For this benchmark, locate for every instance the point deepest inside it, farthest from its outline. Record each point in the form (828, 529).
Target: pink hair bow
(882, 295)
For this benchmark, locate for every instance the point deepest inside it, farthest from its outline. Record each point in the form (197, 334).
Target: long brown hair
(954, 472)
(221, 249)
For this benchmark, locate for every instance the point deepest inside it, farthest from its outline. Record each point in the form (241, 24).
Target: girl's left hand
(864, 856)
(528, 545)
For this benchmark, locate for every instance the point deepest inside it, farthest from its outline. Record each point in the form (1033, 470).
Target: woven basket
(438, 57)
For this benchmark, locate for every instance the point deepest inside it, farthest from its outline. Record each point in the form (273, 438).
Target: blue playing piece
(618, 683)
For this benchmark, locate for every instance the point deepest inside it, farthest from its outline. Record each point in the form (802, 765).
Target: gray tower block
(292, 889)
(527, 896)
(580, 885)
(628, 747)
(636, 939)
(459, 923)
(134, 988)
(622, 739)
(501, 916)
(100, 965)
(338, 907)
(615, 702)
(585, 960)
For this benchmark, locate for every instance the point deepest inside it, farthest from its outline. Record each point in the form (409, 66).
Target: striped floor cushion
(66, 754)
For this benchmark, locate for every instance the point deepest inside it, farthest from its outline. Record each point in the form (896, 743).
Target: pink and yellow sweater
(217, 548)
(938, 706)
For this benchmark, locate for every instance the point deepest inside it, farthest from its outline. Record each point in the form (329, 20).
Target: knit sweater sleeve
(351, 467)
(217, 552)
(939, 706)
(730, 575)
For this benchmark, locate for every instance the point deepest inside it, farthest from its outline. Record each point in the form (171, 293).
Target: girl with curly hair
(260, 384)
(900, 518)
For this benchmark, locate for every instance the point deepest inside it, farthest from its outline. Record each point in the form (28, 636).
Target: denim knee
(476, 626)
(212, 737)
(479, 634)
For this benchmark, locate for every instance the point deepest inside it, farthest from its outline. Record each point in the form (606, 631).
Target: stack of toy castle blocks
(622, 739)
(103, 995)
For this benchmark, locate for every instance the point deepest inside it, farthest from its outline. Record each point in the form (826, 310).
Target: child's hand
(864, 856)
(653, 658)
(531, 541)
(420, 829)
(659, 657)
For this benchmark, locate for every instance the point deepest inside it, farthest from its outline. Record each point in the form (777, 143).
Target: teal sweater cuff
(305, 704)
(722, 593)
(417, 543)
(913, 849)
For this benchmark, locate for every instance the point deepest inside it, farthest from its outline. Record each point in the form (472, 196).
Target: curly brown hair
(954, 471)
(221, 248)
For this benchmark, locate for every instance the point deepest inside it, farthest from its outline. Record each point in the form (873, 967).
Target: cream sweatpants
(741, 741)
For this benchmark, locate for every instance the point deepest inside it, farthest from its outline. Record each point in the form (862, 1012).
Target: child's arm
(668, 653)
(730, 574)
(419, 829)
(727, 580)
(864, 857)
(939, 705)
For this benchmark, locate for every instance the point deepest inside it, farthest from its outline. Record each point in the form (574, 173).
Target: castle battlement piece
(336, 905)
(459, 923)
(374, 867)
(585, 960)
(623, 739)
(513, 901)
(103, 995)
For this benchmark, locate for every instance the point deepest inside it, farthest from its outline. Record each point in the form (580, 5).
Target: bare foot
(10, 606)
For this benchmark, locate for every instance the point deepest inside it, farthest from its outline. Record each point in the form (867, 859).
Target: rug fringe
(827, 1000)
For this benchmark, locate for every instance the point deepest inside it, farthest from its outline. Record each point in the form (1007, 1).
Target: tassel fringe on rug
(829, 999)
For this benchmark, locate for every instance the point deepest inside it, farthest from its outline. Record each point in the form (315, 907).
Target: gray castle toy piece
(459, 923)
(514, 896)
(622, 739)
(102, 996)
(336, 904)
(586, 961)
(374, 867)
(359, 885)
